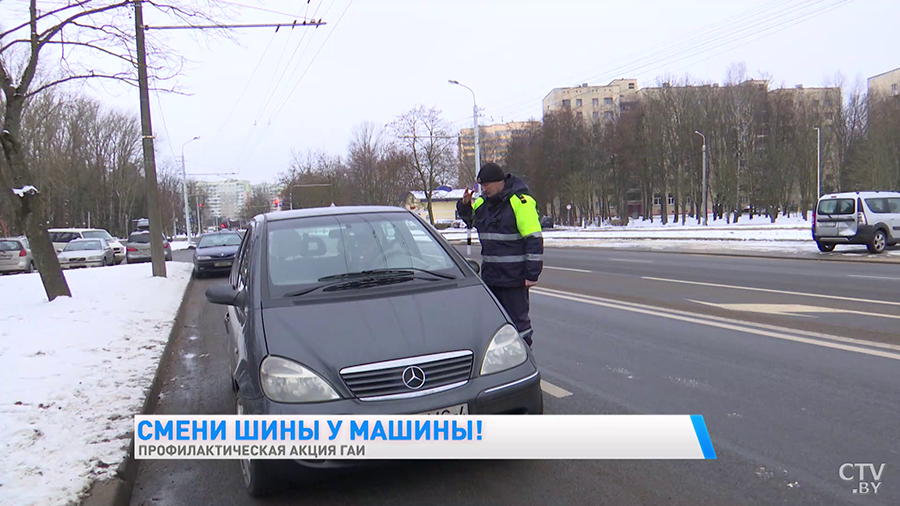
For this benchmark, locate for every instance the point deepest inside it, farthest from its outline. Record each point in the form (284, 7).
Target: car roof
(76, 229)
(86, 239)
(863, 194)
(18, 239)
(330, 211)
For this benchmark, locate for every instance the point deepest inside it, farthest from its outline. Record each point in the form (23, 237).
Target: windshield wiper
(405, 271)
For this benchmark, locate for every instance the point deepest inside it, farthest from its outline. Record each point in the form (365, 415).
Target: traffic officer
(509, 230)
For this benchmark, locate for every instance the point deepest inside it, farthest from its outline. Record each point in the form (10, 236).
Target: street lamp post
(705, 214)
(818, 163)
(187, 208)
(477, 156)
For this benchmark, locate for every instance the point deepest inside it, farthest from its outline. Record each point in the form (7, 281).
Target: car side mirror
(474, 265)
(225, 295)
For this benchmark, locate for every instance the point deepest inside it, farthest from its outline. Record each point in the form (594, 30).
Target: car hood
(217, 251)
(331, 335)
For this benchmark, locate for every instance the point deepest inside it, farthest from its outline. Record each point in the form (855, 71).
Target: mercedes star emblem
(413, 377)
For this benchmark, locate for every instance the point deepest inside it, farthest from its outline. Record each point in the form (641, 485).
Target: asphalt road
(787, 398)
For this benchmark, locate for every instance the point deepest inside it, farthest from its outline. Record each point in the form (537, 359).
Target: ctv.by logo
(858, 472)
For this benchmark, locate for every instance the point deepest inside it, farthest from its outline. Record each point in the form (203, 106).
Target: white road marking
(883, 278)
(554, 390)
(769, 290)
(834, 342)
(567, 269)
(789, 309)
(629, 260)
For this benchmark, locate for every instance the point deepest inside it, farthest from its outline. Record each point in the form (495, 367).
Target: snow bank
(74, 372)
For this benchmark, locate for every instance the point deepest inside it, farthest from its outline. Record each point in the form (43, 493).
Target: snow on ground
(179, 245)
(787, 249)
(792, 229)
(75, 371)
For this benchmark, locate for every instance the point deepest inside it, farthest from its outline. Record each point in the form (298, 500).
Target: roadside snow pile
(74, 372)
(179, 245)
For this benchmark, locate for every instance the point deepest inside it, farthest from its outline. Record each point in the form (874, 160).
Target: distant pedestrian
(509, 230)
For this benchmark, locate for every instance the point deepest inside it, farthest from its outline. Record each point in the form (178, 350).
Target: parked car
(15, 255)
(137, 249)
(86, 253)
(546, 222)
(61, 236)
(215, 252)
(355, 302)
(870, 218)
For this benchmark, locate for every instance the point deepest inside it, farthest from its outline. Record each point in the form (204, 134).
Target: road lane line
(789, 309)
(769, 290)
(872, 277)
(554, 390)
(567, 269)
(723, 323)
(629, 260)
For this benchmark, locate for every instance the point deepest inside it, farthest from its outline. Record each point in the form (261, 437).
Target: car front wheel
(825, 247)
(260, 476)
(879, 241)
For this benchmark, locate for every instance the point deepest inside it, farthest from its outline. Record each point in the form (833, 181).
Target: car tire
(261, 477)
(878, 242)
(825, 247)
(30, 268)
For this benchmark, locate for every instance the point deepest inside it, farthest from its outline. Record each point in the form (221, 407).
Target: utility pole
(818, 163)
(157, 255)
(705, 213)
(187, 208)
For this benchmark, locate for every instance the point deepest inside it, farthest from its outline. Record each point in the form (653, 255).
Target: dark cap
(491, 173)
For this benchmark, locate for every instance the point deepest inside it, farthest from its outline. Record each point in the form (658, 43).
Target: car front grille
(385, 380)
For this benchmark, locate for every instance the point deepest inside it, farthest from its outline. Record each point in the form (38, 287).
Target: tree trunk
(29, 208)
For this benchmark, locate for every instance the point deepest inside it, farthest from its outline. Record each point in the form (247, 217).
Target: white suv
(870, 218)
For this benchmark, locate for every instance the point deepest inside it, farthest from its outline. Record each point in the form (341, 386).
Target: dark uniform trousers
(515, 301)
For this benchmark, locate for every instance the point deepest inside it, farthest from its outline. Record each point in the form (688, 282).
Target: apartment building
(493, 140)
(594, 103)
(225, 199)
(886, 84)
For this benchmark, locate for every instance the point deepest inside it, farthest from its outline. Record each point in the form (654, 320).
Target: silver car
(137, 248)
(86, 253)
(15, 255)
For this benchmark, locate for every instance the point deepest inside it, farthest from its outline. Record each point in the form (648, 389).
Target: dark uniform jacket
(509, 230)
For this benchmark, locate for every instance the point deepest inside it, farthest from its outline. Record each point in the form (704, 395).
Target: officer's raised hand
(467, 197)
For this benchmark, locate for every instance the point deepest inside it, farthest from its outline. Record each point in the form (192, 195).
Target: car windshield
(836, 206)
(96, 234)
(64, 236)
(304, 251)
(215, 240)
(83, 246)
(10, 246)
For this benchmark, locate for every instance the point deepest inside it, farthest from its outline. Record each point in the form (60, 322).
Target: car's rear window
(139, 238)
(837, 206)
(10, 246)
(64, 236)
(97, 234)
(304, 250)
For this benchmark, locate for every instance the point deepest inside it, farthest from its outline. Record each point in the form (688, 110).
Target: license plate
(222, 264)
(5, 257)
(826, 224)
(459, 409)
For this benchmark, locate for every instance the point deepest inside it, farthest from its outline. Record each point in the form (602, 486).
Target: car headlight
(204, 258)
(507, 350)
(284, 380)
(95, 258)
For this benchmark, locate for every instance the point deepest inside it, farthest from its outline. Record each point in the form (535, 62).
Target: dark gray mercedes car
(365, 310)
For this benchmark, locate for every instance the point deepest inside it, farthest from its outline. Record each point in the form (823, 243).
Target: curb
(117, 491)
(869, 260)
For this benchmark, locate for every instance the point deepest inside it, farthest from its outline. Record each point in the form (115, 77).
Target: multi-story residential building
(225, 199)
(493, 141)
(886, 84)
(594, 103)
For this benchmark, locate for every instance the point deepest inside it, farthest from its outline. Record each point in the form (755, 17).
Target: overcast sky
(254, 102)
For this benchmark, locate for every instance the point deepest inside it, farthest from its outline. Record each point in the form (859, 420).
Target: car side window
(894, 205)
(878, 206)
(243, 260)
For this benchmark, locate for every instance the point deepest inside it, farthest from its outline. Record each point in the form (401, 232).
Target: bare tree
(82, 28)
(258, 203)
(378, 170)
(428, 147)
